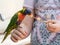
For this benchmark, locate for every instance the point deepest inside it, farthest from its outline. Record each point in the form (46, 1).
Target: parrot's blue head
(27, 11)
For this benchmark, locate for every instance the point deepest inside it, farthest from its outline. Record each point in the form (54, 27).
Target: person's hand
(53, 26)
(18, 34)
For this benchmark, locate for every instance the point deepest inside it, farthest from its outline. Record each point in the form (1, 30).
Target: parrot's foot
(18, 22)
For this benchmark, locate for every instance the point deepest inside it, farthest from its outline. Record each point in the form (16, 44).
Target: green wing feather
(11, 26)
(12, 22)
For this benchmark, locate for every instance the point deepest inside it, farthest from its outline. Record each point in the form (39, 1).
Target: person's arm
(21, 33)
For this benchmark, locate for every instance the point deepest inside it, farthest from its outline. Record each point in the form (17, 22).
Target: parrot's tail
(5, 37)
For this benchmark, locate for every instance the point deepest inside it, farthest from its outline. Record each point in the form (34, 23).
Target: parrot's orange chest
(20, 16)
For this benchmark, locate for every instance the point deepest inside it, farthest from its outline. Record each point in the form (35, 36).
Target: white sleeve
(29, 3)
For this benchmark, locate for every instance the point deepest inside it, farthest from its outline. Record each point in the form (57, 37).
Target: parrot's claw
(18, 22)
(19, 26)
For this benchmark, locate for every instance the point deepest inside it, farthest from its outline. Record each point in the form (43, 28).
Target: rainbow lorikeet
(15, 21)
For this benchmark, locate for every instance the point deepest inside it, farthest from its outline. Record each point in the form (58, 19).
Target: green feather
(12, 22)
(11, 26)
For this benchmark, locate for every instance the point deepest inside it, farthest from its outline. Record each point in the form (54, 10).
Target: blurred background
(7, 10)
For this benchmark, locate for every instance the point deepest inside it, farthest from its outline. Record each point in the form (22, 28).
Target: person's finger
(16, 36)
(19, 34)
(50, 29)
(22, 31)
(13, 39)
(50, 25)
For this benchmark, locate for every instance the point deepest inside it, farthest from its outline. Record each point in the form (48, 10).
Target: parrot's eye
(27, 11)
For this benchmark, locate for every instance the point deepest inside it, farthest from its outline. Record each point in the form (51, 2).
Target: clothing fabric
(45, 9)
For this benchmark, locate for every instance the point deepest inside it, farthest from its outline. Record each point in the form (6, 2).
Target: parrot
(16, 20)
